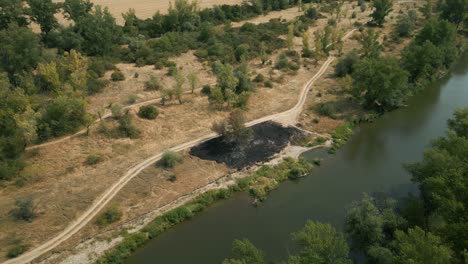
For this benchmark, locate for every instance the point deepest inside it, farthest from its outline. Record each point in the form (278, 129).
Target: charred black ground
(269, 138)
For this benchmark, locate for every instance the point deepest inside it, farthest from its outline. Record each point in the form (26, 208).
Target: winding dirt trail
(288, 117)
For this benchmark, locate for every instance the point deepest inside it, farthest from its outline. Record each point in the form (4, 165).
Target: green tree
(63, 115)
(99, 31)
(380, 83)
(320, 243)
(233, 129)
(422, 61)
(454, 10)
(382, 9)
(76, 9)
(420, 247)
(406, 24)
(21, 50)
(179, 86)
(244, 252)
(193, 80)
(290, 37)
(43, 13)
(459, 124)
(369, 41)
(12, 11)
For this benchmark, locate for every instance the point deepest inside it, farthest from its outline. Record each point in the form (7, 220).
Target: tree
(320, 243)
(193, 80)
(50, 75)
(76, 9)
(427, 9)
(263, 53)
(364, 224)
(406, 24)
(382, 9)
(179, 86)
(99, 31)
(63, 115)
(290, 37)
(12, 11)
(459, 124)
(380, 83)
(244, 252)
(454, 10)
(422, 61)
(233, 129)
(43, 13)
(21, 50)
(306, 52)
(420, 247)
(126, 127)
(346, 65)
(369, 41)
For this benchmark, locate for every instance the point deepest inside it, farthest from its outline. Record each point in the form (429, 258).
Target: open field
(147, 8)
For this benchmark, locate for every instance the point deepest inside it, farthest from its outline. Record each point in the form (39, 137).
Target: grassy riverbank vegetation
(427, 228)
(258, 184)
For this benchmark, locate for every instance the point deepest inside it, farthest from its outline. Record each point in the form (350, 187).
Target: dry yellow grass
(147, 8)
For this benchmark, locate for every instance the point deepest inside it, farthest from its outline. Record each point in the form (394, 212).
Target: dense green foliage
(148, 112)
(382, 8)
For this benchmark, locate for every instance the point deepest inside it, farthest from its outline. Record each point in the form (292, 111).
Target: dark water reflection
(370, 162)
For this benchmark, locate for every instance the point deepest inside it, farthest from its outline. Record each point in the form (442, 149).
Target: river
(370, 162)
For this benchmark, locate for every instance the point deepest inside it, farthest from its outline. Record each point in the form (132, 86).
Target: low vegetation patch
(148, 112)
(117, 76)
(17, 250)
(109, 216)
(93, 159)
(169, 159)
(341, 135)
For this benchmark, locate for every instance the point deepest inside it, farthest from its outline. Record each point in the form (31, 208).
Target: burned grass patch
(268, 139)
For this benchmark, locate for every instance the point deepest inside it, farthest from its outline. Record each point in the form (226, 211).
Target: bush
(17, 250)
(117, 76)
(93, 159)
(126, 127)
(169, 159)
(109, 216)
(153, 84)
(24, 209)
(148, 112)
(282, 61)
(206, 90)
(268, 84)
(327, 109)
(132, 99)
(345, 65)
(312, 13)
(259, 78)
(177, 215)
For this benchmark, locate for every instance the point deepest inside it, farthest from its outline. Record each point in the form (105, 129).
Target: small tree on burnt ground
(233, 129)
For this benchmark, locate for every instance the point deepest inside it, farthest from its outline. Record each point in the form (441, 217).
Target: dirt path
(286, 118)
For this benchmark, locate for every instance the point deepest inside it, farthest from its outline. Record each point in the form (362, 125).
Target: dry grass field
(147, 8)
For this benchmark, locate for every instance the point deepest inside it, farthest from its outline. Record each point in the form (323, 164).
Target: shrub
(126, 127)
(345, 65)
(177, 215)
(93, 159)
(148, 112)
(268, 84)
(17, 250)
(295, 173)
(311, 13)
(153, 84)
(109, 216)
(117, 76)
(206, 90)
(259, 78)
(95, 86)
(24, 209)
(132, 99)
(172, 178)
(327, 109)
(169, 159)
(282, 61)
(116, 110)
(136, 75)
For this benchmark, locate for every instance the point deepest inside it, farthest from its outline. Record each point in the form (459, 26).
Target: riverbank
(139, 231)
